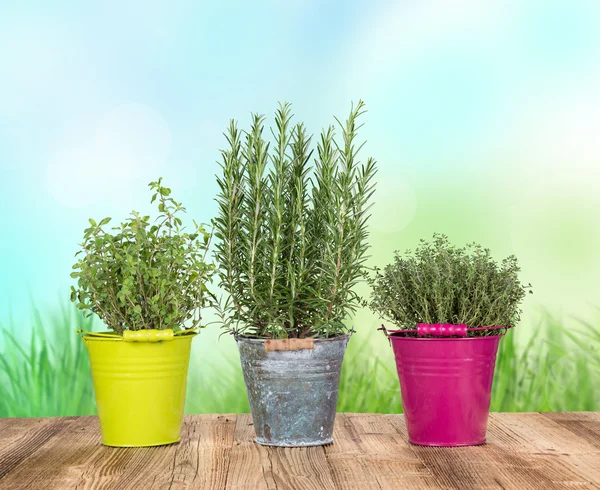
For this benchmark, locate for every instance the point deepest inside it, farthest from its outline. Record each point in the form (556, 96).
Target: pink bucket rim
(393, 337)
(448, 331)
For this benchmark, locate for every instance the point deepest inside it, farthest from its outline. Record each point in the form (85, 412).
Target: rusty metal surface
(293, 394)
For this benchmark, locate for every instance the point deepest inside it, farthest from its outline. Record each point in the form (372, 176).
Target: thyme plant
(292, 237)
(441, 283)
(144, 275)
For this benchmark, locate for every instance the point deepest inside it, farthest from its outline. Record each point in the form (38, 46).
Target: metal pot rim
(250, 340)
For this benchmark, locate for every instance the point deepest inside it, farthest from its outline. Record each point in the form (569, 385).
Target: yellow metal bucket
(140, 382)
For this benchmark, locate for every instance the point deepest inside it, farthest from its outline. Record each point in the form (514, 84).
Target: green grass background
(550, 362)
(552, 369)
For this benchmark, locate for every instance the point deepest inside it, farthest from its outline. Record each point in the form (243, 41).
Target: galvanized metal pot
(293, 394)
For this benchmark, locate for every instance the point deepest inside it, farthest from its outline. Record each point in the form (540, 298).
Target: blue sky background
(484, 116)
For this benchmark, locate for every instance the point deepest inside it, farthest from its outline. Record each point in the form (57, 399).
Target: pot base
(153, 444)
(264, 442)
(447, 444)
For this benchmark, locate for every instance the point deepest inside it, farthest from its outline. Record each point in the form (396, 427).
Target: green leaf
(121, 272)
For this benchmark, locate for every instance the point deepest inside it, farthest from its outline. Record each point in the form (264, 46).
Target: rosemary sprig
(292, 228)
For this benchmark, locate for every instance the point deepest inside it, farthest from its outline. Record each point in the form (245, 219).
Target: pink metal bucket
(446, 383)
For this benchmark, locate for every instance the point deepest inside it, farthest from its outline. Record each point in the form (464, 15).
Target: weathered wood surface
(524, 450)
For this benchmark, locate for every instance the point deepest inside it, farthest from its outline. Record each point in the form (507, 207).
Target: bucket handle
(442, 330)
(150, 335)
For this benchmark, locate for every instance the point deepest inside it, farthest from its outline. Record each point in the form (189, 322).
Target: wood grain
(260, 467)
(524, 450)
(368, 453)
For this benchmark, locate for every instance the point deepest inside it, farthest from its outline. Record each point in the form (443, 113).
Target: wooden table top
(524, 450)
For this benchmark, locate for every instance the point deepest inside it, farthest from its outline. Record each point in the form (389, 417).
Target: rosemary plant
(441, 283)
(292, 237)
(144, 275)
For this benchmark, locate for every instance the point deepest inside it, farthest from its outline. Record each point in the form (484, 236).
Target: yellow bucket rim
(150, 335)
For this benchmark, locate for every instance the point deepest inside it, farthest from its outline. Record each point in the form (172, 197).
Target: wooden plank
(74, 458)
(253, 466)
(20, 438)
(543, 443)
(451, 467)
(559, 450)
(585, 425)
(489, 466)
(201, 459)
(58, 462)
(536, 433)
(300, 468)
(247, 459)
(367, 453)
(587, 467)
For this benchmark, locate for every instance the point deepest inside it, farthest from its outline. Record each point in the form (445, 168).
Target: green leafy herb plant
(143, 274)
(292, 227)
(442, 283)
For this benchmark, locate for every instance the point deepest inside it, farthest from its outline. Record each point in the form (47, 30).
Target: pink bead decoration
(442, 329)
